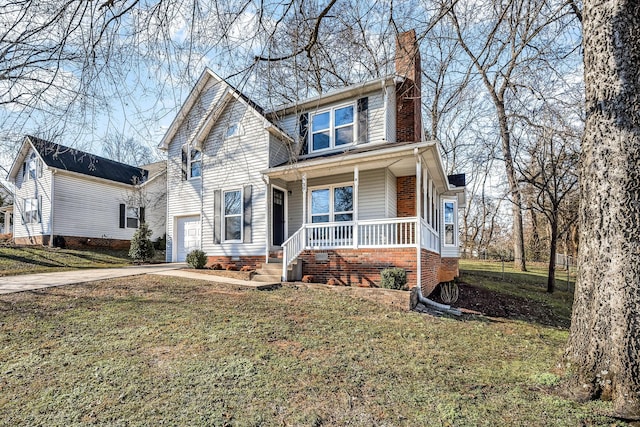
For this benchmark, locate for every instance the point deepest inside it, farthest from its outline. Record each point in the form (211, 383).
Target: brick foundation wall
(358, 267)
(449, 269)
(406, 196)
(252, 261)
(74, 242)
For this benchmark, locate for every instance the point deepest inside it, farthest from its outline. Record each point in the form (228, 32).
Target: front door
(278, 222)
(188, 236)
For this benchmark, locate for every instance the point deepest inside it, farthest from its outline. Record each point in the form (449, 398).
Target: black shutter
(141, 215)
(304, 131)
(40, 209)
(184, 163)
(24, 168)
(247, 215)
(24, 208)
(217, 221)
(363, 120)
(122, 215)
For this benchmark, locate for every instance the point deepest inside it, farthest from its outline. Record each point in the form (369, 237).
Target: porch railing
(378, 233)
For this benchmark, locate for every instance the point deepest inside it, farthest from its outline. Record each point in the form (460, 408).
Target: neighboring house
(67, 197)
(6, 210)
(342, 185)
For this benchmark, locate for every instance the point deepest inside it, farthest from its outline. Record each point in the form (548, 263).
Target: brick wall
(408, 92)
(406, 196)
(448, 269)
(75, 242)
(358, 267)
(430, 271)
(254, 262)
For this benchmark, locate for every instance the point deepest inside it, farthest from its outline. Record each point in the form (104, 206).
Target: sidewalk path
(29, 282)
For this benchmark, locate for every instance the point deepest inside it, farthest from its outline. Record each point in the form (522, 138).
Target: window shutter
(247, 215)
(24, 209)
(39, 169)
(141, 215)
(123, 210)
(363, 120)
(40, 209)
(184, 163)
(24, 169)
(304, 130)
(217, 212)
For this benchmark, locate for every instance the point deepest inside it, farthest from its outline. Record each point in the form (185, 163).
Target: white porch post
(305, 200)
(7, 222)
(356, 176)
(418, 222)
(269, 224)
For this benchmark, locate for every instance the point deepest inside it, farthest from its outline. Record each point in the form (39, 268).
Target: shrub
(161, 242)
(393, 278)
(196, 259)
(141, 249)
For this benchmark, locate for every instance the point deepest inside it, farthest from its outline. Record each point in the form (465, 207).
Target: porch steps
(272, 271)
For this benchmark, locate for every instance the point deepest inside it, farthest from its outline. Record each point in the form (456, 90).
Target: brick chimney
(408, 93)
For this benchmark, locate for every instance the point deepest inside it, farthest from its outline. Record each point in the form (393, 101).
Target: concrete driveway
(29, 282)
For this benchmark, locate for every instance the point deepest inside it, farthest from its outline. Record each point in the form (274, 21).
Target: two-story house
(342, 185)
(68, 197)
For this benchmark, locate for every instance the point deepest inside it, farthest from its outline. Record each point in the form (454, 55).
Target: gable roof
(60, 157)
(214, 111)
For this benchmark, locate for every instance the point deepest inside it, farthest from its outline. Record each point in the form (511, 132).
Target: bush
(393, 278)
(196, 259)
(161, 242)
(141, 249)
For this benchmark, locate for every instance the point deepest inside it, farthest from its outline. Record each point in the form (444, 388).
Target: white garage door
(188, 229)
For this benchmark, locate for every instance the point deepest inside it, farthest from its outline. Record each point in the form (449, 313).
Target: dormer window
(332, 128)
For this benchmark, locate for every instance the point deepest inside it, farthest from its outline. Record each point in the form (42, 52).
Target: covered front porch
(355, 213)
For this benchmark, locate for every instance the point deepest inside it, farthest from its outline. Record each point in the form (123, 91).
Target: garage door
(188, 229)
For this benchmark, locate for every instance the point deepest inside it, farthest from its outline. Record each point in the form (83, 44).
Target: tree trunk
(604, 342)
(553, 245)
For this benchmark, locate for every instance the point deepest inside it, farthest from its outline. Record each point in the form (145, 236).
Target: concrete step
(270, 268)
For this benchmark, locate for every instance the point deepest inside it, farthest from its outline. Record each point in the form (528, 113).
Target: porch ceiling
(399, 159)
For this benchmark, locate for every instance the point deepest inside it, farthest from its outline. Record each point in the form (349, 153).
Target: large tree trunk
(604, 342)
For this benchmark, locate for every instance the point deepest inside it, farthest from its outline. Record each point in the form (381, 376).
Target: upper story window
(32, 167)
(332, 128)
(235, 130)
(449, 223)
(191, 162)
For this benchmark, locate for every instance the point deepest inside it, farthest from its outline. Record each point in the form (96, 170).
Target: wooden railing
(378, 233)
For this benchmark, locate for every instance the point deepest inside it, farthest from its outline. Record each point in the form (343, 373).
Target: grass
(154, 350)
(26, 260)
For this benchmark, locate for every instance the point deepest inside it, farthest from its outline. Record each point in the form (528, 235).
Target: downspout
(51, 213)
(421, 298)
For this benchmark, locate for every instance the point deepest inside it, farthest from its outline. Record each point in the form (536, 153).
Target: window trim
(127, 217)
(224, 216)
(36, 218)
(454, 223)
(186, 152)
(332, 213)
(332, 128)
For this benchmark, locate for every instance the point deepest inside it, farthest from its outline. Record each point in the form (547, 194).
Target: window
(195, 163)
(32, 167)
(234, 130)
(332, 204)
(449, 223)
(31, 211)
(233, 215)
(132, 217)
(333, 128)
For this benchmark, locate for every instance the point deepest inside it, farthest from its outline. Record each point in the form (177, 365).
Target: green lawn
(154, 350)
(25, 260)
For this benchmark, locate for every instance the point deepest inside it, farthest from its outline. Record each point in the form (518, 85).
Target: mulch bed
(474, 301)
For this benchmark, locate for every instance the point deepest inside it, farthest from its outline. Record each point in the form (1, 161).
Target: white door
(188, 229)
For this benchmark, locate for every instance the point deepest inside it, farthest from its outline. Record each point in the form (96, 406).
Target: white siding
(391, 194)
(279, 152)
(391, 114)
(85, 207)
(154, 197)
(372, 185)
(231, 164)
(38, 188)
(295, 206)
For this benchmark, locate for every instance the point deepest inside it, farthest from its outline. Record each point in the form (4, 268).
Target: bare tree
(604, 343)
(127, 150)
